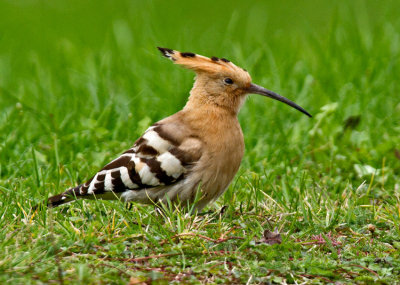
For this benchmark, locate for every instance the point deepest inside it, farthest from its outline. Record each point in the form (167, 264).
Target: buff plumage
(198, 148)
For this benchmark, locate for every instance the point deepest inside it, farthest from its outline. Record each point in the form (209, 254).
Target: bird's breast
(224, 148)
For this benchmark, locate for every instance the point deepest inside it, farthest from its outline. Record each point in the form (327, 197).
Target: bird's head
(221, 83)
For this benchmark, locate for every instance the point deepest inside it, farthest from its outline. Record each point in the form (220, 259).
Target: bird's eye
(228, 81)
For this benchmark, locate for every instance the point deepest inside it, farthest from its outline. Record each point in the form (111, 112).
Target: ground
(315, 201)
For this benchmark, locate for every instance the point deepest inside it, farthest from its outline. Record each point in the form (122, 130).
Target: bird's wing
(162, 156)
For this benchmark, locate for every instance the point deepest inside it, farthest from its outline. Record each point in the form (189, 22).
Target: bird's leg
(211, 212)
(129, 206)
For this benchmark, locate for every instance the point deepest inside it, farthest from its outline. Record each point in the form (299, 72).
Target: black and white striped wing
(154, 160)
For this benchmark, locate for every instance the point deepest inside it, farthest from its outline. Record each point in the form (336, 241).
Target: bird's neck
(212, 122)
(207, 112)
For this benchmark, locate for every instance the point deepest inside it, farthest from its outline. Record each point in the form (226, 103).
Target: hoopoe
(198, 148)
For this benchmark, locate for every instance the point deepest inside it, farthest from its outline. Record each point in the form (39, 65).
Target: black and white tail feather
(146, 172)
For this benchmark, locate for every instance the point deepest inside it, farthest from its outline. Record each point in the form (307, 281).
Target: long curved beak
(256, 89)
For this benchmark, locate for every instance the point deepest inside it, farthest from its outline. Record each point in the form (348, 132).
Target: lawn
(81, 80)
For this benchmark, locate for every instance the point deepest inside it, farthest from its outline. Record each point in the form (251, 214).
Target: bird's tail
(65, 197)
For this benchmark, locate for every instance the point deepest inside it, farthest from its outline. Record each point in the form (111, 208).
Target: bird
(196, 150)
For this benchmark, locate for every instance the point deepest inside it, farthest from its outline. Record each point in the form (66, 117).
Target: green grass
(79, 82)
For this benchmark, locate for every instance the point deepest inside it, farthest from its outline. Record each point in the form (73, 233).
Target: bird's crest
(201, 63)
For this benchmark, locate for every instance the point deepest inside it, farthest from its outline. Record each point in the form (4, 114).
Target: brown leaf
(136, 281)
(271, 237)
(397, 153)
(352, 122)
